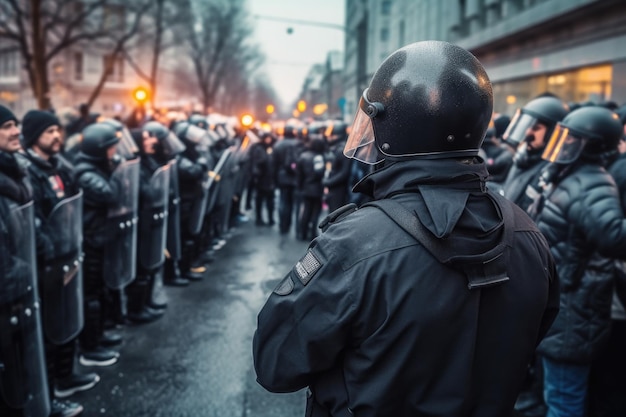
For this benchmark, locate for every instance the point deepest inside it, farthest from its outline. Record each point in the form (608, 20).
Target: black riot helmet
(97, 138)
(546, 110)
(336, 131)
(199, 120)
(428, 100)
(169, 144)
(588, 132)
(127, 148)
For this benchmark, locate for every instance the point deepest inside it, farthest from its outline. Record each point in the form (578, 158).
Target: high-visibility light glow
(269, 109)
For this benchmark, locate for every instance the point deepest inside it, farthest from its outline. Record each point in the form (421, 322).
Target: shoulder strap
(486, 269)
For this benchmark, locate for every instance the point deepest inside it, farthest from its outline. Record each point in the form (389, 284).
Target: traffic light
(269, 109)
(301, 106)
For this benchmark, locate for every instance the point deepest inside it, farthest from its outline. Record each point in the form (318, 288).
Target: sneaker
(65, 409)
(74, 383)
(98, 357)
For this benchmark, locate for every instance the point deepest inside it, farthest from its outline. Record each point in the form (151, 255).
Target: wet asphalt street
(197, 359)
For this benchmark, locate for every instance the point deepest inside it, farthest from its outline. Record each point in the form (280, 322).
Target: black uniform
(375, 319)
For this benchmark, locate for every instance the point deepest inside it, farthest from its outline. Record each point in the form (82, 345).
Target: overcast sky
(290, 56)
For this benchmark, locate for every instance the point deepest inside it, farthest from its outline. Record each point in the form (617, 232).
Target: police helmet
(199, 120)
(168, 142)
(97, 138)
(587, 131)
(427, 100)
(545, 110)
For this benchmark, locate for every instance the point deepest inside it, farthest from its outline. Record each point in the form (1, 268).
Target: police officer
(416, 305)
(337, 178)
(286, 152)
(264, 178)
(23, 385)
(153, 219)
(95, 165)
(58, 205)
(310, 171)
(529, 132)
(580, 214)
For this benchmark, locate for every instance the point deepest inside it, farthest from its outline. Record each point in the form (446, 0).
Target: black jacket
(98, 195)
(521, 176)
(286, 152)
(262, 166)
(583, 222)
(375, 325)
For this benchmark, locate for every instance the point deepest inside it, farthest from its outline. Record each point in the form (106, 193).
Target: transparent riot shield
(62, 286)
(174, 245)
(120, 251)
(23, 383)
(153, 220)
(209, 194)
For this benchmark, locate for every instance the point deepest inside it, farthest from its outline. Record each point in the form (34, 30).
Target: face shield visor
(197, 135)
(126, 147)
(361, 143)
(564, 147)
(516, 131)
(172, 146)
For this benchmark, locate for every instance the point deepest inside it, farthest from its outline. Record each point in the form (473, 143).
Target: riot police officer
(156, 148)
(337, 177)
(194, 169)
(94, 172)
(286, 154)
(23, 385)
(529, 132)
(58, 210)
(580, 214)
(397, 307)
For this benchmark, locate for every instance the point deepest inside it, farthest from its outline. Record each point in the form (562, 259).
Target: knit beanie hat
(6, 115)
(34, 123)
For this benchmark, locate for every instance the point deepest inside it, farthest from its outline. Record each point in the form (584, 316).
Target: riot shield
(209, 194)
(23, 383)
(62, 286)
(120, 251)
(153, 220)
(174, 246)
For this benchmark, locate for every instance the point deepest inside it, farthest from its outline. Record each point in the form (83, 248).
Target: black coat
(99, 193)
(583, 222)
(375, 325)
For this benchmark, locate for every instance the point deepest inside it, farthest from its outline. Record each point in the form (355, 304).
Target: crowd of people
(94, 217)
(485, 276)
(95, 213)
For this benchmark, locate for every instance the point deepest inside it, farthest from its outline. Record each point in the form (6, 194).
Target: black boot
(172, 276)
(138, 311)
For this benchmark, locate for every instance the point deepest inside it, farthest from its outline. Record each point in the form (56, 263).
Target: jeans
(565, 388)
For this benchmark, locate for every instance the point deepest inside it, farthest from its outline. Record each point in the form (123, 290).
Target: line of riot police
(89, 230)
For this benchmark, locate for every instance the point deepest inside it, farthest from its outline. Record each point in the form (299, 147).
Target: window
(385, 8)
(8, 64)
(116, 68)
(384, 34)
(78, 66)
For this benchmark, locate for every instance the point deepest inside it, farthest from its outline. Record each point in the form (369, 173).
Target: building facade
(571, 48)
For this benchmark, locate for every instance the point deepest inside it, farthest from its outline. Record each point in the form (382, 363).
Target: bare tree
(217, 40)
(116, 42)
(42, 29)
(168, 19)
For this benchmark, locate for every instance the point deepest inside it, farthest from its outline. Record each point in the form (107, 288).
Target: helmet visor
(195, 134)
(515, 133)
(172, 146)
(127, 148)
(563, 147)
(361, 144)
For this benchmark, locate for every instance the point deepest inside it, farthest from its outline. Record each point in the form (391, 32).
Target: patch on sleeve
(307, 267)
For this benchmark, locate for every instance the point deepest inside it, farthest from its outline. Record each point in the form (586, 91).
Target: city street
(197, 359)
